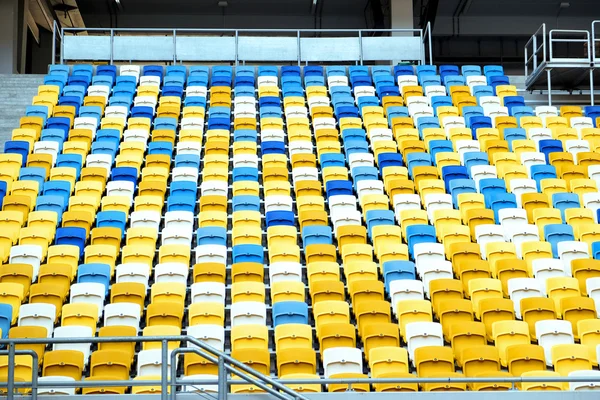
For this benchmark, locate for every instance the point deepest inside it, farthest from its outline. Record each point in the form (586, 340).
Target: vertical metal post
(62, 35)
(174, 46)
(164, 370)
(112, 42)
(534, 53)
(222, 386)
(549, 76)
(236, 48)
(11, 371)
(592, 86)
(173, 380)
(53, 42)
(299, 48)
(360, 47)
(34, 378)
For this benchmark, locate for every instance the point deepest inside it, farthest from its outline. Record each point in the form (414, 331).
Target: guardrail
(243, 45)
(226, 366)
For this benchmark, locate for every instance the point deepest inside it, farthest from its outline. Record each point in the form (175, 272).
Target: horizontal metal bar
(195, 30)
(570, 40)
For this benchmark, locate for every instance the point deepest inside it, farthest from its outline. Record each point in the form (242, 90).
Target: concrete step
(17, 93)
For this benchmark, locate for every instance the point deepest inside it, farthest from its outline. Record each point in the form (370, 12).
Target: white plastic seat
(546, 111)
(577, 146)
(518, 187)
(116, 112)
(300, 147)
(466, 146)
(593, 291)
(90, 123)
(145, 101)
(305, 174)
(571, 250)
(530, 158)
(369, 186)
(145, 219)
(340, 203)
(434, 202)
(378, 134)
(428, 254)
(278, 203)
(475, 80)
(522, 288)
(133, 273)
(216, 188)
(89, 292)
(406, 202)
(479, 172)
(272, 135)
(266, 81)
(208, 292)
(486, 101)
(47, 147)
(537, 134)
(211, 253)
(451, 122)
(171, 272)
(421, 334)
(407, 80)
(296, 112)
(122, 314)
(523, 234)
(552, 332)
(511, 218)
(188, 174)
(285, 271)
(580, 123)
(342, 360)
(435, 90)
(99, 90)
(74, 331)
(431, 272)
(130, 70)
(180, 220)
(405, 290)
(212, 335)
(120, 188)
(581, 386)
(417, 100)
(38, 314)
(323, 123)
(417, 111)
(317, 101)
(194, 123)
(245, 160)
(188, 148)
(488, 233)
(58, 390)
(544, 268)
(495, 111)
(147, 80)
(248, 313)
(364, 91)
(199, 91)
(100, 161)
(347, 217)
(361, 160)
(149, 362)
(592, 201)
(244, 111)
(27, 254)
(337, 80)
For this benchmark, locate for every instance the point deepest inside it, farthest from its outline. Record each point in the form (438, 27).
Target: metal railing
(57, 36)
(534, 49)
(594, 40)
(244, 45)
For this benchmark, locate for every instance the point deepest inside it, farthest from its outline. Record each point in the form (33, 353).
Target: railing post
(534, 55)
(112, 44)
(360, 47)
(222, 376)
(174, 46)
(549, 77)
(11, 372)
(62, 55)
(237, 37)
(53, 42)
(164, 370)
(592, 86)
(299, 47)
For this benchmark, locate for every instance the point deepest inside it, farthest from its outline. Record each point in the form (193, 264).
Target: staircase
(16, 93)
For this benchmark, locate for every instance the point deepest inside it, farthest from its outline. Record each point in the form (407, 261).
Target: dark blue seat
(114, 219)
(128, 174)
(479, 121)
(313, 70)
(378, 217)
(539, 172)
(388, 90)
(246, 203)
(36, 174)
(290, 312)
(316, 234)
(142, 112)
(17, 147)
(245, 174)
(75, 236)
(5, 319)
(548, 146)
(460, 186)
(346, 112)
(499, 201)
(491, 186)
(454, 172)
(211, 235)
(416, 234)
(564, 201)
(58, 188)
(556, 233)
(338, 187)
(160, 148)
(398, 270)
(94, 273)
(497, 80)
(389, 160)
(269, 101)
(449, 70)
(596, 249)
(218, 123)
(593, 112)
(332, 160)
(283, 218)
(248, 253)
(107, 70)
(403, 70)
(63, 123)
(153, 70)
(272, 147)
(181, 203)
(290, 70)
(183, 188)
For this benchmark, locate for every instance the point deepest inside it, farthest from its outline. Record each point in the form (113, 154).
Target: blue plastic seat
(272, 147)
(501, 201)
(211, 235)
(593, 112)
(460, 186)
(355, 146)
(454, 172)
(291, 80)
(58, 188)
(316, 234)
(245, 135)
(338, 187)
(440, 101)
(427, 122)
(290, 91)
(403, 70)
(244, 80)
(497, 80)
(426, 70)
(354, 134)
(105, 147)
(474, 158)
(564, 201)
(245, 203)
(427, 80)
(195, 101)
(120, 101)
(160, 148)
(364, 174)
(439, 146)
(391, 90)
(596, 249)
(290, 70)
(290, 312)
(453, 80)
(398, 270)
(548, 146)
(417, 160)
(389, 160)
(248, 253)
(108, 135)
(187, 160)
(521, 111)
(489, 187)
(478, 121)
(218, 123)
(17, 147)
(53, 135)
(539, 172)
(36, 174)
(490, 70)
(449, 70)
(396, 112)
(126, 80)
(114, 219)
(5, 319)
(313, 70)
(100, 80)
(51, 203)
(181, 203)
(270, 112)
(556, 233)
(56, 80)
(346, 112)
(469, 70)
(269, 101)
(245, 174)
(416, 234)
(171, 83)
(183, 188)
(511, 134)
(79, 80)
(165, 123)
(480, 91)
(63, 123)
(153, 70)
(107, 70)
(75, 236)
(283, 218)
(94, 273)
(37, 111)
(128, 174)
(142, 112)
(472, 111)
(379, 217)
(332, 160)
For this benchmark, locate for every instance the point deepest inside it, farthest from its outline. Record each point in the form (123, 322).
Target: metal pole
(549, 75)
(360, 47)
(11, 371)
(62, 35)
(592, 86)
(34, 376)
(164, 370)
(112, 43)
(173, 380)
(299, 48)
(174, 46)
(53, 42)
(236, 48)
(222, 387)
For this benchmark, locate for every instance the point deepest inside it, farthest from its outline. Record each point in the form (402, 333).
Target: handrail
(427, 36)
(56, 34)
(552, 36)
(594, 40)
(535, 50)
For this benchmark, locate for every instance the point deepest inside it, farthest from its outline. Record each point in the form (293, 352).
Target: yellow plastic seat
(575, 309)
(434, 360)
(535, 309)
(480, 360)
(567, 358)
(466, 334)
(454, 312)
(558, 288)
(509, 333)
(480, 289)
(80, 314)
